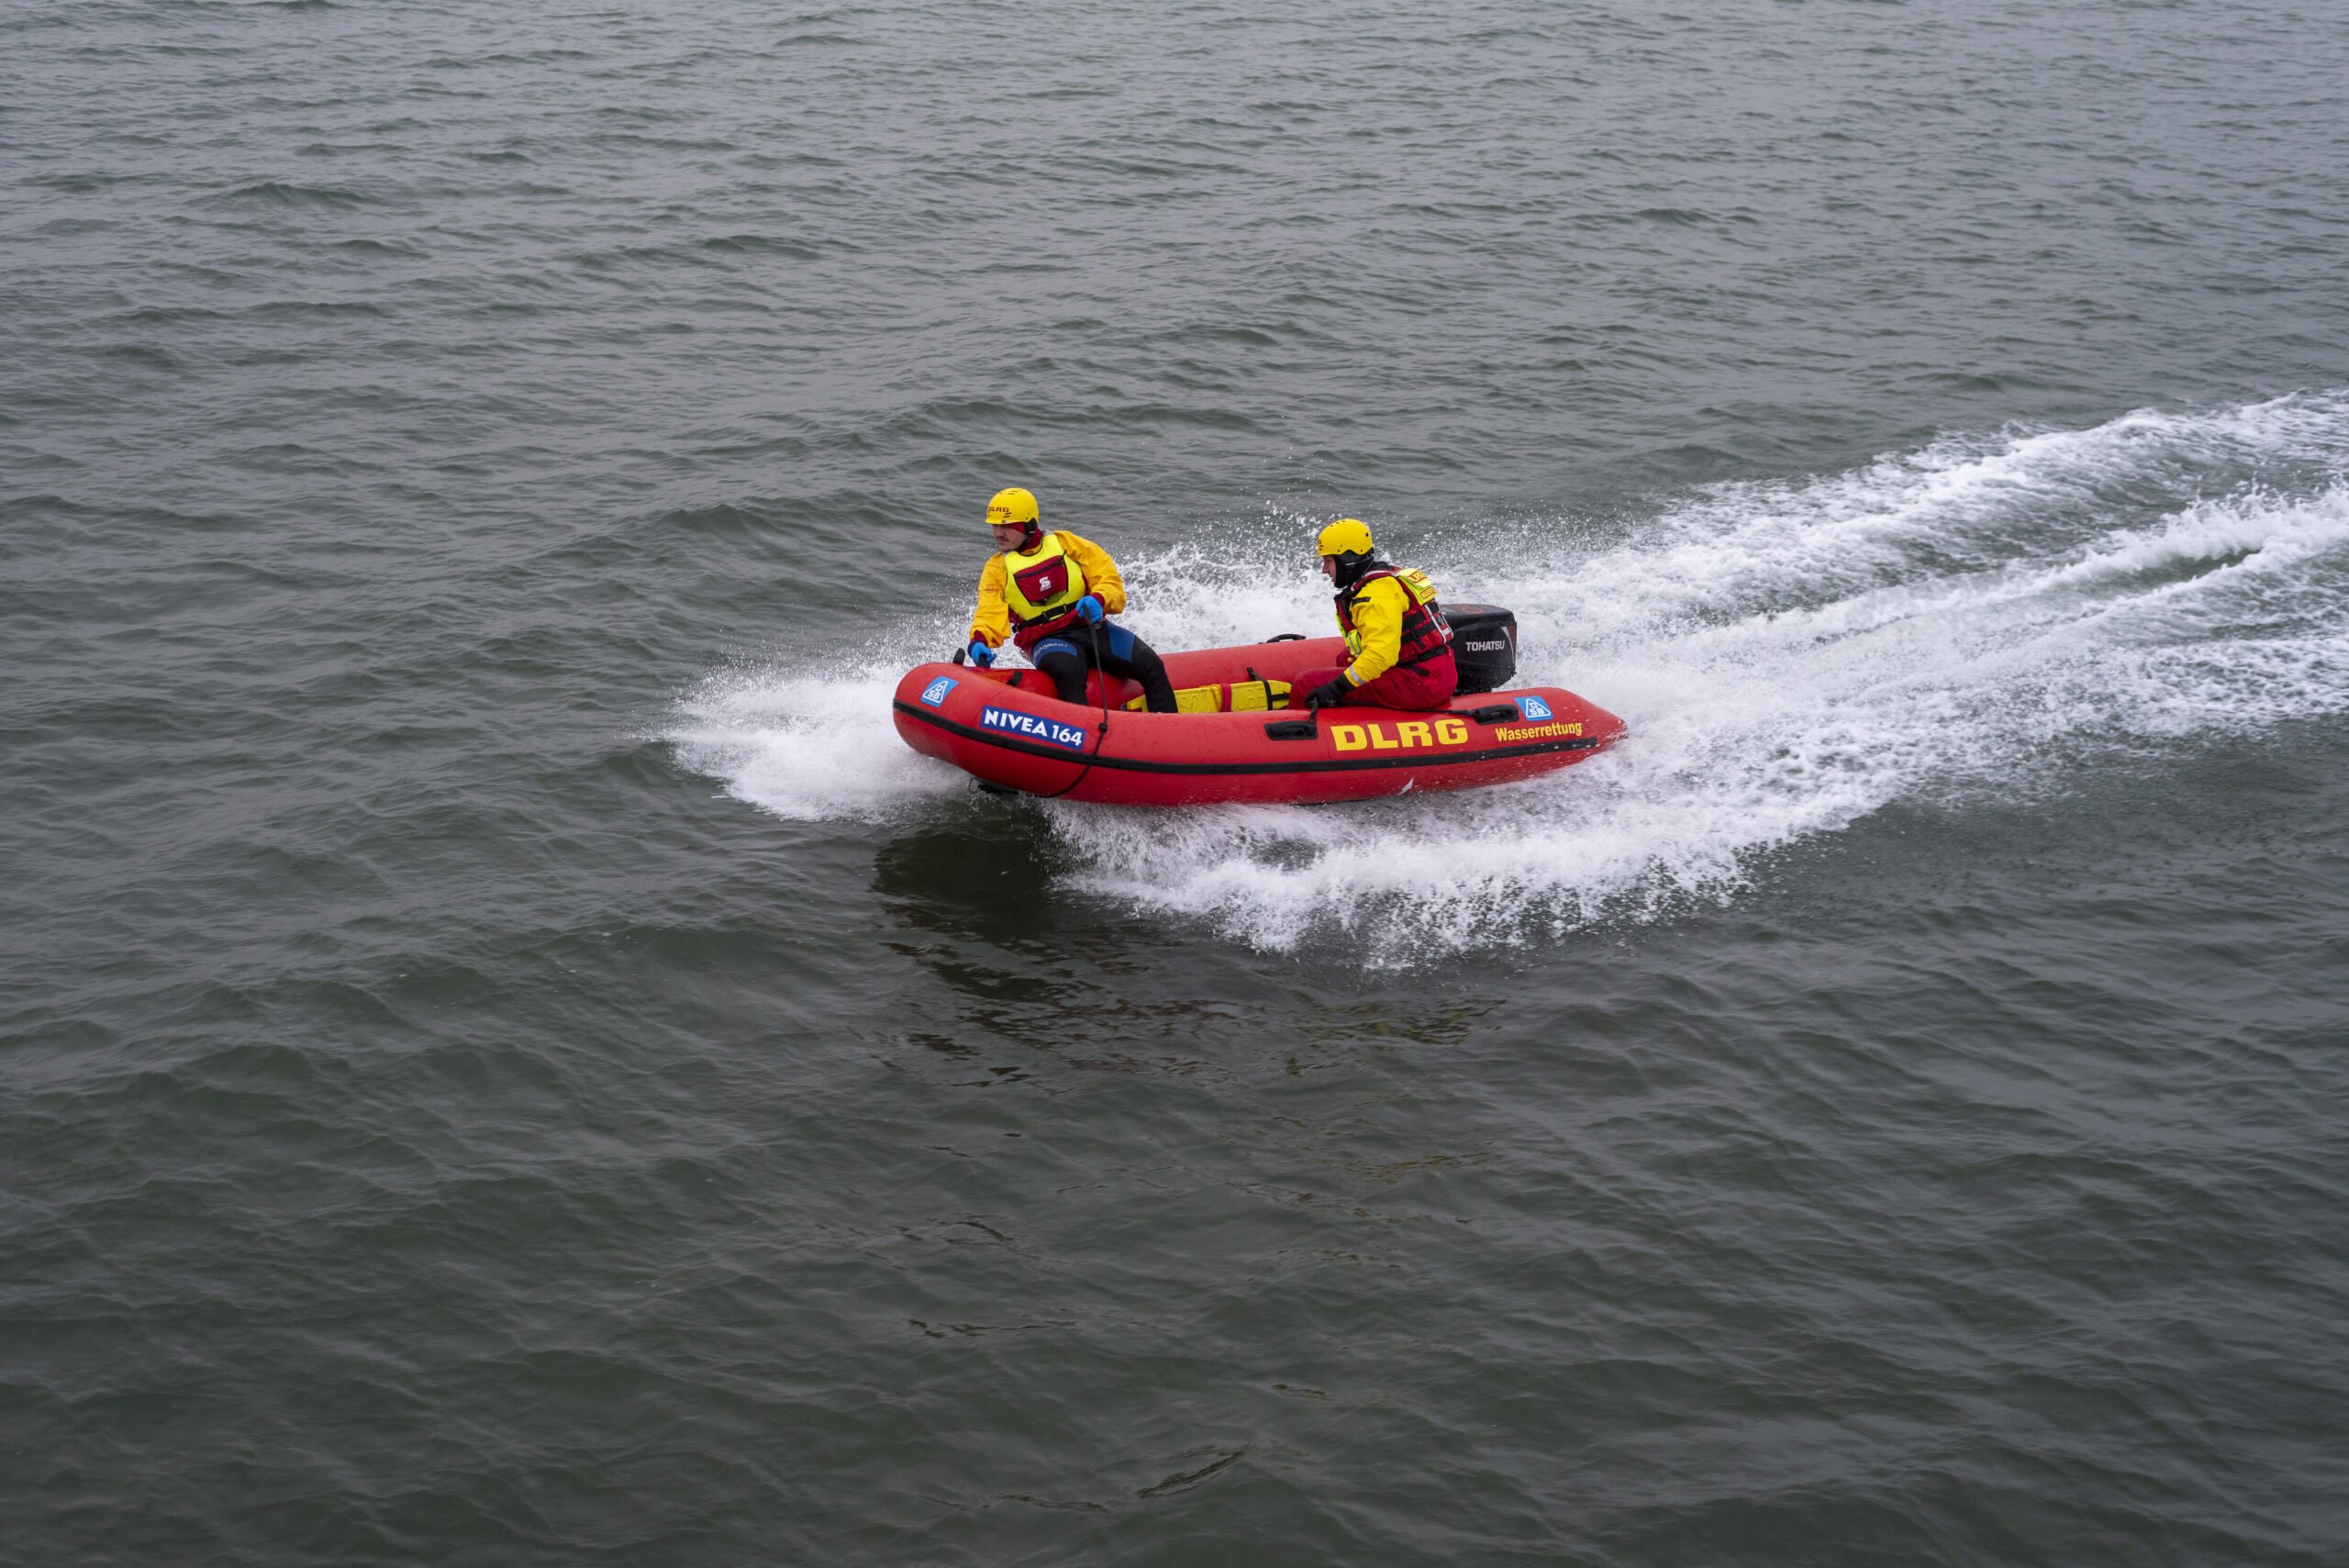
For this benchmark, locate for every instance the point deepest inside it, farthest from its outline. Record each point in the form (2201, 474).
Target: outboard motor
(1484, 646)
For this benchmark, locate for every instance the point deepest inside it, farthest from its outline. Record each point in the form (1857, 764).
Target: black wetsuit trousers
(1067, 653)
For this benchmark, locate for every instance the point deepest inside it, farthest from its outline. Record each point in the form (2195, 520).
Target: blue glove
(1089, 607)
(981, 654)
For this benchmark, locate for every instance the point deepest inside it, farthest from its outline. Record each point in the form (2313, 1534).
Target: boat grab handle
(1496, 712)
(1291, 730)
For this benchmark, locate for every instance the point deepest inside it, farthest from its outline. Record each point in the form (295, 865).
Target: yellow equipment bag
(1240, 696)
(1257, 697)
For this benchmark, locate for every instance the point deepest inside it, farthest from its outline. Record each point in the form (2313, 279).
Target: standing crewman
(1051, 592)
(1394, 630)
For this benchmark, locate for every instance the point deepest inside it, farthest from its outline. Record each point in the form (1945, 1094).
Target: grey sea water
(505, 1059)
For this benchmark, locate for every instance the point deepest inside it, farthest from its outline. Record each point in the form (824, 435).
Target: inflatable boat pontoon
(1009, 728)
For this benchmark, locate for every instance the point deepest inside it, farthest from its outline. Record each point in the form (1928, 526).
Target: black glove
(1328, 695)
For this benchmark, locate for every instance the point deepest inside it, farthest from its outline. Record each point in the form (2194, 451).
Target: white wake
(1988, 614)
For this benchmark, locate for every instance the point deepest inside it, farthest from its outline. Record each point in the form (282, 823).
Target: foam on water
(810, 747)
(1996, 614)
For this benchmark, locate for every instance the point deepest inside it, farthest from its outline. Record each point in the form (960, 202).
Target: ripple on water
(506, 1058)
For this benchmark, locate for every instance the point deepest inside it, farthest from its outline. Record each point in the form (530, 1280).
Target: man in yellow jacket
(1400, 643)
(1052, 594)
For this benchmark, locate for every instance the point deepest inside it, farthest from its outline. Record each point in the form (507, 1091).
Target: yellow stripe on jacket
(992, 622)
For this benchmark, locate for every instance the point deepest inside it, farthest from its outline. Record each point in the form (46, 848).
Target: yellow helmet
(1347, 536)
(1013, 508)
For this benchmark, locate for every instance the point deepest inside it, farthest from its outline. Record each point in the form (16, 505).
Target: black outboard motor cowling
(1484, 646)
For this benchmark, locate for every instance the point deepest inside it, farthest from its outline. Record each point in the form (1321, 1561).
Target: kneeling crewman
(1050, 593)
(1394, 630)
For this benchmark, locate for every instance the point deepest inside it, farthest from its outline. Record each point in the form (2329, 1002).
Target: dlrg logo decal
(1449, 731)
(1052, 731)
(1534, 707)
(935, 693)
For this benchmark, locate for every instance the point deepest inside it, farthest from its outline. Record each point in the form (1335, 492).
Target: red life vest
(1425, 631)
(1041, 589)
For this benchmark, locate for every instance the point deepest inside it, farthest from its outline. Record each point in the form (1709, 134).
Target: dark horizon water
(505, 1059)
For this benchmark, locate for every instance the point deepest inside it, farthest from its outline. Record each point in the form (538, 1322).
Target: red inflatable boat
(1235, 742)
